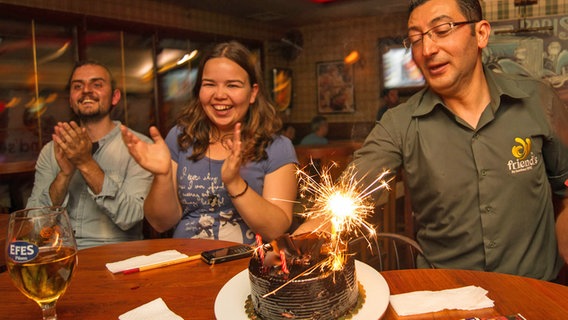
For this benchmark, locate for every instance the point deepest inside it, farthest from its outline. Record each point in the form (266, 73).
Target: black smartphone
(227, 254)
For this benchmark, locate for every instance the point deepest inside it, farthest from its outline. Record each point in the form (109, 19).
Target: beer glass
(41, 255)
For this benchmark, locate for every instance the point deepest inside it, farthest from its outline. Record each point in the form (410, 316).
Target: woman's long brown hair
(259, 125)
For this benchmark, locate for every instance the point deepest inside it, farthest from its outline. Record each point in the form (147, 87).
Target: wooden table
(189, 289)
(534, 299)
(17, 167)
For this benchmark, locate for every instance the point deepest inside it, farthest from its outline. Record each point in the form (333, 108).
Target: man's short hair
(471, 9)
(81, 63)
(385, 92)
(317, 122)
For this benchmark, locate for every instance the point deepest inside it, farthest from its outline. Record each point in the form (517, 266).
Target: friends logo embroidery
(521, 151)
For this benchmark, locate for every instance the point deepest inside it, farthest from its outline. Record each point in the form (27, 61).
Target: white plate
(230, 302)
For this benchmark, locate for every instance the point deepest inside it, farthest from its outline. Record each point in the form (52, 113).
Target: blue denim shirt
(113, 215)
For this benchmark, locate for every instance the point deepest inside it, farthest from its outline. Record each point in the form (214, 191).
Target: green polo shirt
(481, 196)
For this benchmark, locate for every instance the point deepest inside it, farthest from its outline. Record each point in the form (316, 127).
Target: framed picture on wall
(335, 87)
(282, 88)
(534, 47)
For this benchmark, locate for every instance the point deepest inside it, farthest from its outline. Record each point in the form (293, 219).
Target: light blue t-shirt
(208, 212)
(116, 213)
(313, 138)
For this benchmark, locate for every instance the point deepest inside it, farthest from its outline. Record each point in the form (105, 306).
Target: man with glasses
(481, 151)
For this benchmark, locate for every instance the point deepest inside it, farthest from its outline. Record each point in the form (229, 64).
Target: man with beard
(87, 168)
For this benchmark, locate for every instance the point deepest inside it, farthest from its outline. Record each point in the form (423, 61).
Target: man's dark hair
(385, 92)
(317, 122)
(81, 63)
(471, 9)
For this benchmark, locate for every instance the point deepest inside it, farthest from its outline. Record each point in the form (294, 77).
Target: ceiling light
(352, 57)
(187, 57)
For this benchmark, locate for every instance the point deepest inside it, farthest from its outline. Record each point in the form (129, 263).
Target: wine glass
(41, 254)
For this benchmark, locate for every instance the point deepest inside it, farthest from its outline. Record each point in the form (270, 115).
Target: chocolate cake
(304, 286)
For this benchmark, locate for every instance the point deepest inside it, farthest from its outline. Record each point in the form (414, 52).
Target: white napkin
(464, 298)
(142, 261)
(153, 310)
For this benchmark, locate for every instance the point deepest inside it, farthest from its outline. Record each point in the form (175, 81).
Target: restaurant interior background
(153, 48)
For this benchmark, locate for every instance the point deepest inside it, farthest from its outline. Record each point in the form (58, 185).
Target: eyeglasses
(438, 32)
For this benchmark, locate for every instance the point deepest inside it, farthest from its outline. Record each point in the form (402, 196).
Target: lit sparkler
(344, 205)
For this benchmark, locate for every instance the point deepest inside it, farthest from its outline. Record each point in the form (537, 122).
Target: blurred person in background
(319, 127)
(390, 100)
(289, 132)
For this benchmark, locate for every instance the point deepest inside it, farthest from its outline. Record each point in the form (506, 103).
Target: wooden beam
(525, 2)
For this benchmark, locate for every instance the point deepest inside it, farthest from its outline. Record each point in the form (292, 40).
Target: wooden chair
(393, 212)
(333, 157)
(18, 177)
(389, 251)
(4, 219)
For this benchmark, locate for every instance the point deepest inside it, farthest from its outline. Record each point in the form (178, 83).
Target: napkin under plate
(417, 302)
(142, 261)
(153, 310)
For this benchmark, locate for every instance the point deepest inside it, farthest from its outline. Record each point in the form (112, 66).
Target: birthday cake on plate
(298, 277)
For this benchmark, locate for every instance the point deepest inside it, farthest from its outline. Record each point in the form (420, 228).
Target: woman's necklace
(213, 198)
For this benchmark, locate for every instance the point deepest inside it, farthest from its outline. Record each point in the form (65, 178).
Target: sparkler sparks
(344, 205)
(340, 209)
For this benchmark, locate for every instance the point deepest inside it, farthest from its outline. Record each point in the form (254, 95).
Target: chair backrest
(334, 157)
(388, 251)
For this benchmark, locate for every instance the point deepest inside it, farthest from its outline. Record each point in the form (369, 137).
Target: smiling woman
(234, 174)
(225, 94)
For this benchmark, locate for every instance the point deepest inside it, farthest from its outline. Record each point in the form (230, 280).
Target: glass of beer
(41, 255)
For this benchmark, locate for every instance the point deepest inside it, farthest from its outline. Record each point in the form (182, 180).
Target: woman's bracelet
(240, 194)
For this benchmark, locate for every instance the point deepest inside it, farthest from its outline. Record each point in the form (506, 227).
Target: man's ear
(482, 32)
(116, 95)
